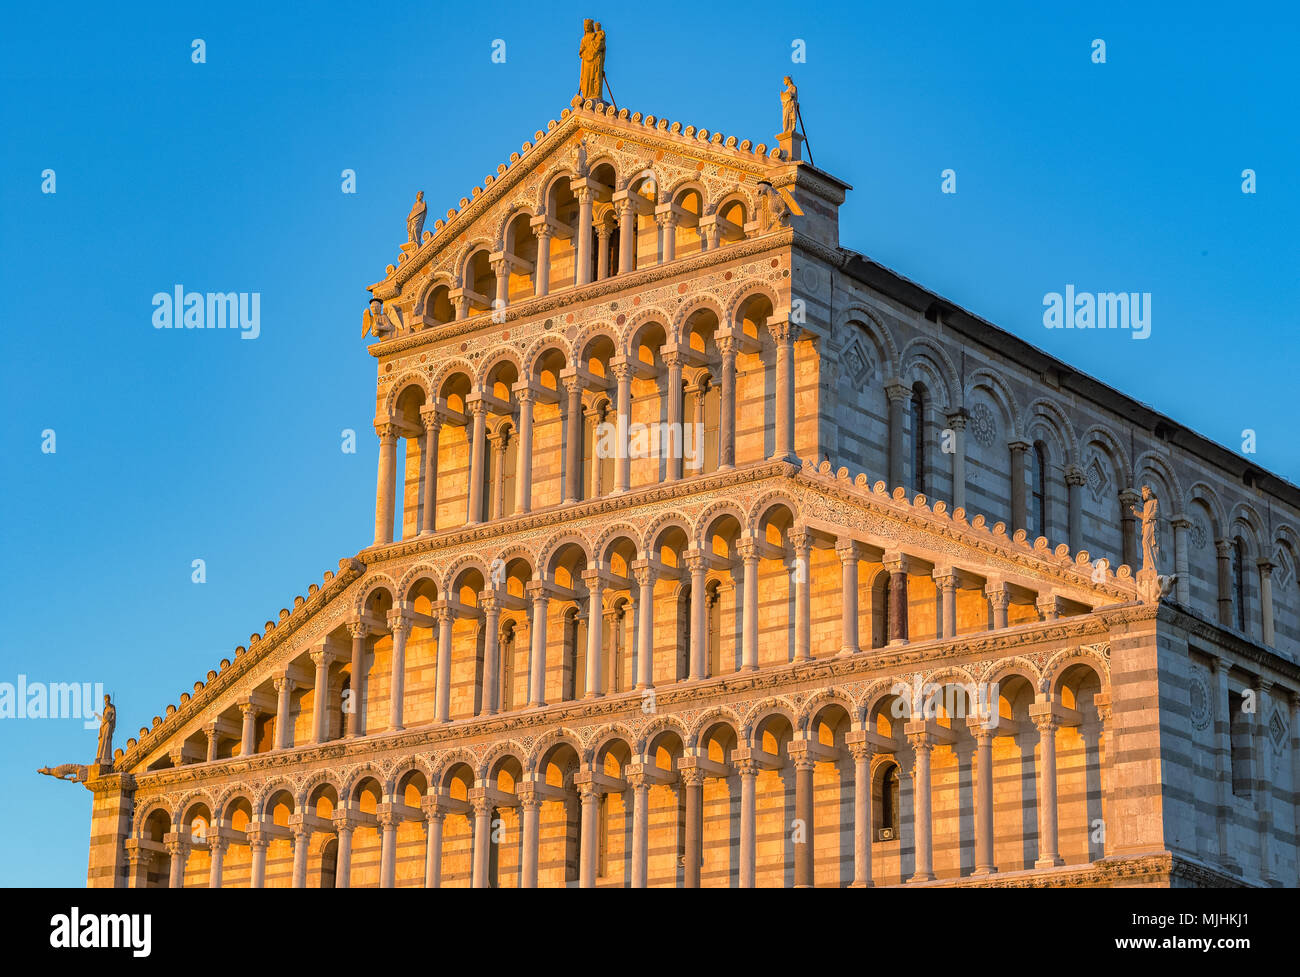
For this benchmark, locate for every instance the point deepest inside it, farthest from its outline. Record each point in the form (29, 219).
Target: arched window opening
(1038, 481)
(886, 803)
(918, 438)
(1239, 580)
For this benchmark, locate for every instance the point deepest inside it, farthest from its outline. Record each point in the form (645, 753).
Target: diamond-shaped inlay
(1277, 731)
(1097, 479)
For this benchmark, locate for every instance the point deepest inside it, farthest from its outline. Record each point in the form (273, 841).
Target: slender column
(957, 424)
(399, 622)
(640, 826)
(623, 461)
(999, 599)
(946, 582)
(748, 549)
(530, 806)
(301, 838)
(432, 433)
(899, 397)
(141, 859)
(1048, 854)
(645, 660)
(1074, 481)
(595, 633)
(673, 391)
(801, 543)
(626, 237)
(784, 334)
(356, 722)
(698, 565)
(1127, 500)
(217, 852)
(897, 566)
(387, 849)
(747, 769)
(693, 785)
(257, 842)
(524, 451)
(214, 739)
(1222, 759)
(445, 617)
(482, 838)
(589, 839)
(501, 269)
(1262, 747)
(1266, 599)
(249, 731)
(583, 233)
(1049, 605)
(922, 830)
(322, 658)
(344, 825)
(477, 449)
(537, 657)
(497, 503)
(727, 412)
(847, 550)
(542, 269)
(1019, 506)
(489, 695)
(603, 233)
(433, 818)
(862, 752)
(667, 222)
(1223, 548)
(283, 730)
(983, 794)
(1183, 583)
(385, 496)
(594, 417)
(573, 450)
(803, 812)
(179, 849)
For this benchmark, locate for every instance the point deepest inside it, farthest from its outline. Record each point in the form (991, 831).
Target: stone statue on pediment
(374, 321)
(592, 52)
(1150, 516)
(415, 219)
(107, 722)
(789, 107)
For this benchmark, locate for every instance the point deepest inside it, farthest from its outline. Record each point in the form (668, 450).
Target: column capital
(323, 656)
(896, 390)
(847, 549)
(283, 683)
(1265, 566)
(945, 577)
(432, 807)
(1128, 497)
(897, 562)
(1018, 445)
(643, 571)
(1224, 548)
(1074, 476)
(784, 331)
(747, 547)
(957, 419)
(800, 540)
(387, 430)
(696, 561)
(431, 416)
(400, 620)
(358, 629)
(691, 776)
(979, 728)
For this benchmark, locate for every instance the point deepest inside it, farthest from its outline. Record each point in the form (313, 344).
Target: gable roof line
(595, 114)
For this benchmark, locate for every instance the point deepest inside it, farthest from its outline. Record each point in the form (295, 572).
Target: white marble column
(477, 451)
(583, 232)
(573, 439)
(1074, 482)
(387, 849)
(595, 633)
(1048, 845)
(589, 839)
(488, 694)
(179, 849)
(957, 424)
(301, 839)
(1183, 585)
(727, 408)
(530, 820)
(983, 794)
(524, 450)
(248, 732)
(626, 236)
(385, 494)
(217, 852)
(1266, 600)
(356, 699)
(748, 549)
(946, 585)
(257, 842)
(862, 752)
(848, 552)
(446, 616)
(623, 462)
(645, 638)
(537, 654)
(801, 545)
(673, 391)
(784, 335)
(922, 744)
(399, 622)
(344, 825)
(432, 430)
(284, 687)
(747, 769)
(698, 565)
(322, 658)
(482, 838)
(542, 270)
(899, 397)
(433, 818)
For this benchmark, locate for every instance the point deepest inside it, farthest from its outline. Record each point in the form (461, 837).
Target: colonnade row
(588, 231)
(513, 602)
(696, 400)
(904, 744)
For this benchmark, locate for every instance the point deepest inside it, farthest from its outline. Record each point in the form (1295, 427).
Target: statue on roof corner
(107, 721)
(415, 219)
(374, 320)
(789, 107)
(1152, 585)
(592, 52)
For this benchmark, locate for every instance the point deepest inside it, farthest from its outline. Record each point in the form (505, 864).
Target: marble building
(709, 552)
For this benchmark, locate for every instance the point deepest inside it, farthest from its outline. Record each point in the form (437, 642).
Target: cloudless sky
(226, 176)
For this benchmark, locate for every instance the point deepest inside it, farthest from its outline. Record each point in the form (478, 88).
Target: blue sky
(178, 445)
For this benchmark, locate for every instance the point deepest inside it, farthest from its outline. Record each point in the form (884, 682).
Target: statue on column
(107, 721)
(415, 219)
(789, 107)
(592, 52)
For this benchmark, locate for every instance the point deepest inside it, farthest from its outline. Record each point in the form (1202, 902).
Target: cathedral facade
(709, 552)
